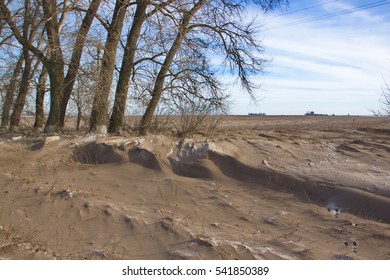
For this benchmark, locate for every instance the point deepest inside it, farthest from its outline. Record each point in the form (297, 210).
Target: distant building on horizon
(256, 114)
(312, 113)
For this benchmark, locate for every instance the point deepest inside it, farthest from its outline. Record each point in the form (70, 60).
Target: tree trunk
(23, 91)
(25, 82)
(119, 109)
(76, 56)
(99, 114)
(79, 117)
(56, 77)
(159, 83)
(55, 65)
(39, 101)
(9, 96)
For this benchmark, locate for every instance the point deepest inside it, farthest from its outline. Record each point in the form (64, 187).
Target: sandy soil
(259, 188)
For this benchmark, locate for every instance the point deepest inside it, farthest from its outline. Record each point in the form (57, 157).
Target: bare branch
(6, 15)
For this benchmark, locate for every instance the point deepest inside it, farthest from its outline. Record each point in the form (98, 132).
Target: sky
(330, 59)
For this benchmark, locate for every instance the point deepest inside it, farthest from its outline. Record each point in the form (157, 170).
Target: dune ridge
(202, 160)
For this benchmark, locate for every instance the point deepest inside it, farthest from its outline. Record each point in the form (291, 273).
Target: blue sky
(334, 65)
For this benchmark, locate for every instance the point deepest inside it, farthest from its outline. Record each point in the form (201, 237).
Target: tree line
(98, 53)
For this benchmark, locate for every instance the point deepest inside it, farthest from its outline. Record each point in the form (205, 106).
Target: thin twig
(307, 198)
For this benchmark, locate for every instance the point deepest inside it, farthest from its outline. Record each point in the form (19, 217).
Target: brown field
(256, 188)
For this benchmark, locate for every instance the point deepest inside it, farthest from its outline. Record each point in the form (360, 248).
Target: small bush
(197, 116)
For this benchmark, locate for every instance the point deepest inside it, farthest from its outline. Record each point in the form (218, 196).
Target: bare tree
(99, 114)
(140, 16)
(28, 33)
(83, 93)
(159, 83)
(23, 91)
(76, 57)
(172, 49)
(39, 100)
(53, 18)
(119, 108)
(54, 63)
(122, 87)
(10, 91)
(217, 26)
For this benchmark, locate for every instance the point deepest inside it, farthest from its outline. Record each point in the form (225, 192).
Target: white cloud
(335, 64)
